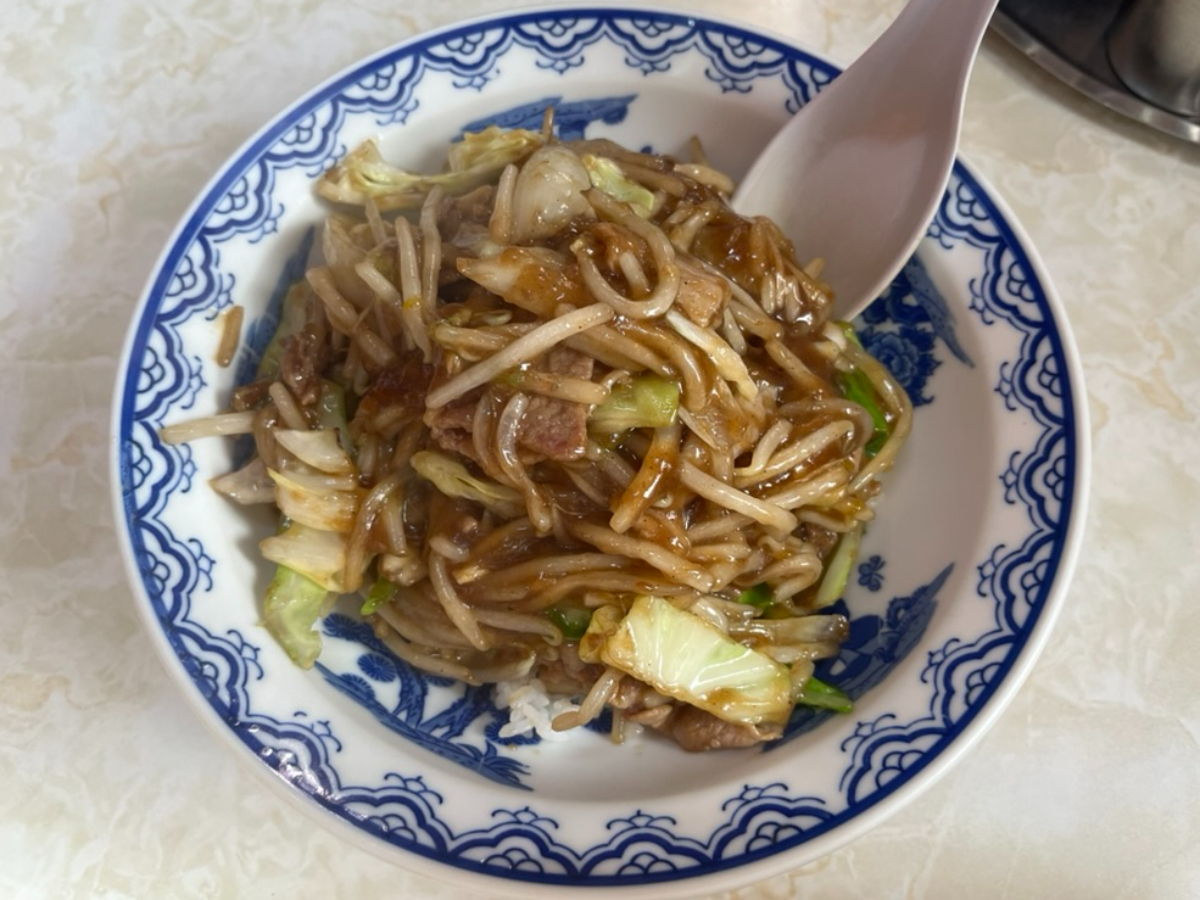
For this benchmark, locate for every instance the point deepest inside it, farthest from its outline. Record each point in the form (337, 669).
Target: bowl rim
(731, 875)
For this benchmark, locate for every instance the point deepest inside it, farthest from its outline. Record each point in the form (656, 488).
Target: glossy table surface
(112, 116)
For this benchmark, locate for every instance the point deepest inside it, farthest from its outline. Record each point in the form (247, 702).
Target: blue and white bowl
(955, 592)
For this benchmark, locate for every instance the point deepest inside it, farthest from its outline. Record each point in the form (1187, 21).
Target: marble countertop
(112, 117)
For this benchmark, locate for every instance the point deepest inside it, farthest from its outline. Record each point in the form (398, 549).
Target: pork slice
(560, 680)
(557, 429)
(403, 385)
(450, 427)
(305, 356)
(250, 396)
(702, 297)
(696, 730)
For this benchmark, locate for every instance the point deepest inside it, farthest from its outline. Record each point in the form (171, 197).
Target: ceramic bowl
(954, 593)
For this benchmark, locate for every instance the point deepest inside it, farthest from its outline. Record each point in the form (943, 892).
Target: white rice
(530, 708)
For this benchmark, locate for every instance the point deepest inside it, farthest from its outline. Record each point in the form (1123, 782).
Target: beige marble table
(113, 115)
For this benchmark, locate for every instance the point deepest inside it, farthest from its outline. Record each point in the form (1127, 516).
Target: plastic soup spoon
(856, 175)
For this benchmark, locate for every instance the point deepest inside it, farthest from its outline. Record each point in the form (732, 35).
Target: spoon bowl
(856, 175)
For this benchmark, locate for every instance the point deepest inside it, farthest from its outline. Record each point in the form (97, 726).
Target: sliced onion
(319, 555)
(798, 630)
(311, 480)
(209, 426)
(319, 449)
(248, 485)
(548, 194)
(326, 510)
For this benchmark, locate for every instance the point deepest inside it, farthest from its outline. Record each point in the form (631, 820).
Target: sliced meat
(450, 427)
(557, 429)
(696, 730)
(250, 396)
(551, 429)
(734, 246)
(560, 680)
(403, 385)
(702, 297)
(305, 356)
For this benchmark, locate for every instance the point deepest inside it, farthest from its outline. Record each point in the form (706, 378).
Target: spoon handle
(856, 175)
(950, 29)
(918, 69)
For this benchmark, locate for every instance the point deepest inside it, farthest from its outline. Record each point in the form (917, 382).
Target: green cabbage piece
(291, 609)
(452, 478)
(318, 555)
(606, 175)
(644, 401)
(683, 656)
(477, 159)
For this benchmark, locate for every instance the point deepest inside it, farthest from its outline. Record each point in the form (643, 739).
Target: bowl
(955, 590)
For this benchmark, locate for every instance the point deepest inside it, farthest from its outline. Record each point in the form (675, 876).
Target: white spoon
(857, 173)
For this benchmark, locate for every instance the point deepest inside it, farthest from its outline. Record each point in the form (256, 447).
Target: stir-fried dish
(565, 422)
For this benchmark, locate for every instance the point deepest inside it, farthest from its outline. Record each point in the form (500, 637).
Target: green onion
(824, 696)
(380, 594)
(759, 595)
(857, 388)
(572, 622)
(849, 332)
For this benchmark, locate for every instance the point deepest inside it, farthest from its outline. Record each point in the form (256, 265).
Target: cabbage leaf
(685, 657)
(476, 160)
(291, 608)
